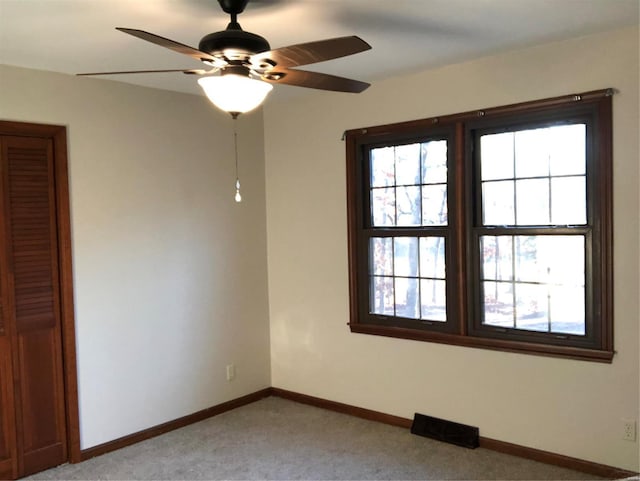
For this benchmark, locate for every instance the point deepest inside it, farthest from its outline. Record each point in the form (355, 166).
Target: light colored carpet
(279, 439)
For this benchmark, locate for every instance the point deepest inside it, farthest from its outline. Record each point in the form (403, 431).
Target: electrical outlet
(629, 429)
(231, 372)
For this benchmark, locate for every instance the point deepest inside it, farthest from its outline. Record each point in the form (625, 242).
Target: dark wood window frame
(464, 326)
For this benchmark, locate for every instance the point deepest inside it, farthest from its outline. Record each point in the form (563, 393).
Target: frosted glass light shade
(235, 93)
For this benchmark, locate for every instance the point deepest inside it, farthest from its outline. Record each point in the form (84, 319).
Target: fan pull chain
(238, 197)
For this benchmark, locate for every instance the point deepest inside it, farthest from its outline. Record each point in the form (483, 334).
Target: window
(487, 229)
(407, 205)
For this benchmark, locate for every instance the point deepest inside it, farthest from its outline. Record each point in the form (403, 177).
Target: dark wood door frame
(58, 135)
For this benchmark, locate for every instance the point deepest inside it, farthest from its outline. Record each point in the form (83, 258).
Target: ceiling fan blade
(313, 52)
(314, 80)
(167, 43)
(190, 72)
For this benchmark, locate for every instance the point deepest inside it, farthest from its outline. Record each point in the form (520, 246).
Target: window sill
(577, 353)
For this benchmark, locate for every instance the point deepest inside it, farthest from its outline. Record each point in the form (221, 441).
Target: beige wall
(169, 272)
(564, 406)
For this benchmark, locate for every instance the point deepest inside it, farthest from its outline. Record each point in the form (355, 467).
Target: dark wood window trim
(463, 326)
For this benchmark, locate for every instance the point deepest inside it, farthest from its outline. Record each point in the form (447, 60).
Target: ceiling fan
(242, 65)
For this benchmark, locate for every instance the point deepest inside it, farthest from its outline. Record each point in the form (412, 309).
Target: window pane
(498, 303)
(532, 307)
(382, 298)
(497, 257)
(407, 164)
(532, 153)
(530, 263)
(397, 265)
(408, 184)
(554, 259)
(382, 167)
(433, 300)
(546, 268)
(567, 145)
(497, 203)
(568, 201)
(383, 207)
(434, 204)
(405, 256)
(532, 202)
(407, 297)
(496, 152)
(567, 310)
(564, 258)
(434, 162)
(543, 158)
(381, 256)
(432, 263)
(408, 205)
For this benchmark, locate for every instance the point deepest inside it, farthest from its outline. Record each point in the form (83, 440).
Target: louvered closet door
(8, 459)
(33, 292)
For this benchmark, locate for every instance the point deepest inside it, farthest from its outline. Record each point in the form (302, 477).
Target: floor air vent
(447, 431)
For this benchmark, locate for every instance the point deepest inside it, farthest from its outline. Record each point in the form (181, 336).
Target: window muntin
(530, 307)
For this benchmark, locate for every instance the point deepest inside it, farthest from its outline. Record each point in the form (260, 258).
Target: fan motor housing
(233, 6)
(218, 42)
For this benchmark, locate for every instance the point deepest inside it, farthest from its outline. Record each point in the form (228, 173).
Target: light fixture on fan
(245, 66)
(234, 91)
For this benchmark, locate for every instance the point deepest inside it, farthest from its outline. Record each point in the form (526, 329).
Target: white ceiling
(73, 36)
